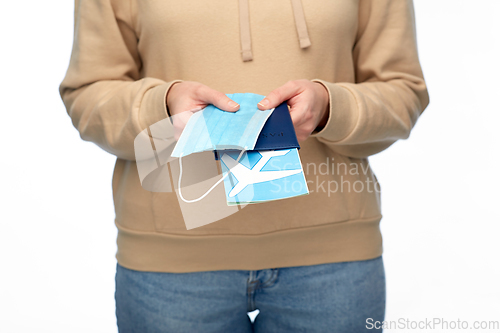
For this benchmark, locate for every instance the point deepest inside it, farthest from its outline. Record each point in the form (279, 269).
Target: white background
(440, 188)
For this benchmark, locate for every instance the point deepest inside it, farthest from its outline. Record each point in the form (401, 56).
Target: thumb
(220, 100)
(279, 95)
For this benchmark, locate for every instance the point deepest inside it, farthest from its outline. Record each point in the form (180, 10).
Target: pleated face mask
(215, 129)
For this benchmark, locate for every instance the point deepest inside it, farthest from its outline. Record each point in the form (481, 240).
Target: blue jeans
(333, 297)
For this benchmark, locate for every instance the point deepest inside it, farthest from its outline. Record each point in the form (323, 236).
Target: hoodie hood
(245, 37)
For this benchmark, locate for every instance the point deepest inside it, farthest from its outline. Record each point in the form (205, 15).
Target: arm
(366, 117)
(107, 100)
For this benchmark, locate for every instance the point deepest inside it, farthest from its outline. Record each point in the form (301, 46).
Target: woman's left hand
(308, 101)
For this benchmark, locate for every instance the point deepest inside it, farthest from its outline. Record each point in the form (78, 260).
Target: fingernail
(233, 104)
(264, 103)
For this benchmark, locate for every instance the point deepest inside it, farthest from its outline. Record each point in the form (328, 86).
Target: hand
(308, 101)
(186, 97)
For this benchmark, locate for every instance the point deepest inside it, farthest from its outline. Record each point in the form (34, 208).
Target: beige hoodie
(126, 55)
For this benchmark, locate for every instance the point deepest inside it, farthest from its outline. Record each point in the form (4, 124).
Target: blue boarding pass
(261, 176)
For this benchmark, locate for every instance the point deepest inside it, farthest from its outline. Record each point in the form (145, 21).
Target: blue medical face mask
(214, 129)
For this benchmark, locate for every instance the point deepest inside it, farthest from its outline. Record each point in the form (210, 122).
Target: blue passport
(278, 132)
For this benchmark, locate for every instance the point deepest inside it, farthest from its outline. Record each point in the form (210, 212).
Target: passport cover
(278, 132)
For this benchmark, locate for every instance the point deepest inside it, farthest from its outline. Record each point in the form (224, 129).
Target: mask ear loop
(210, 190)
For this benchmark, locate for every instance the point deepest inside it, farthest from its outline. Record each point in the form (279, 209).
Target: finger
(303, 123)
(297, 118)
(180, 121)
(220, 100)
(279, 95)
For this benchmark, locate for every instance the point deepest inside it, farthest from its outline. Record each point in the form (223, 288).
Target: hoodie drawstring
(245, 38)
(246, 41)
(300, 24)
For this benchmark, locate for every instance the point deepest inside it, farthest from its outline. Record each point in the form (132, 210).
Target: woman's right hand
(186, 97)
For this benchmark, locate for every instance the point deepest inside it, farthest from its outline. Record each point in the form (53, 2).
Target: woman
(350, 74)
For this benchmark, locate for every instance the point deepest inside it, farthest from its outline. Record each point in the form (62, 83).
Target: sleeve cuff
(343, 113)
(154, 106)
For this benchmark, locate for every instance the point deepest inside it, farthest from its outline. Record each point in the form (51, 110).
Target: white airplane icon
(246, 176)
